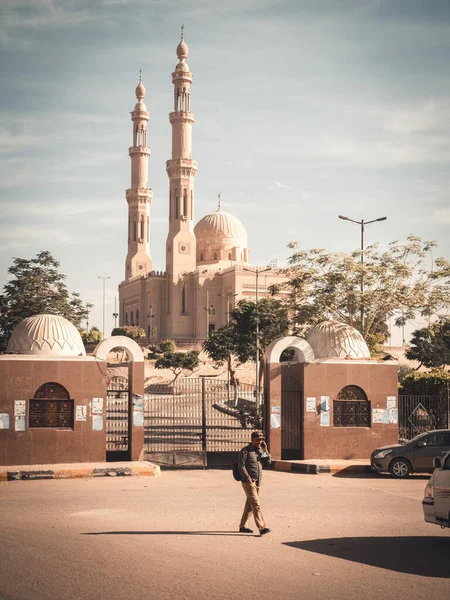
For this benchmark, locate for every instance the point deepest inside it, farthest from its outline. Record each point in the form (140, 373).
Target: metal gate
(291, 417)
(198, 422)
(421, 413)
(117, 419)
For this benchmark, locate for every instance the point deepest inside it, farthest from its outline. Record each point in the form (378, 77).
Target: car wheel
(400, 468)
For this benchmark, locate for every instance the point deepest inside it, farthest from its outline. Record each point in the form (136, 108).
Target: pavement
(324, 465)
(332, 538)
(77, 470)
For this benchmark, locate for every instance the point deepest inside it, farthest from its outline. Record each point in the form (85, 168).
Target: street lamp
(257, 272)
(362, 224)
(104, 280)
(150, 316)
(115, 313)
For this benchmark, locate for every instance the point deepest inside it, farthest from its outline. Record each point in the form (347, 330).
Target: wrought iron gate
(117, 418)
(198, 422)
(291, 416)
(421, 413)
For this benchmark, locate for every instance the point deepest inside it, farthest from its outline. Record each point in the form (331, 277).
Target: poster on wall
(325, 419)
(311, 404)
(391, 402)
(275, 417)
(19, 423)
(97, 406)
(138, 410)
(19, 408)
(81, 412)
(393, 416)
(4, 421)
(97, 422)
(377, 415)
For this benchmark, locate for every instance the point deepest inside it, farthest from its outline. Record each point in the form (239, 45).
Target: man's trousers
(252, 505)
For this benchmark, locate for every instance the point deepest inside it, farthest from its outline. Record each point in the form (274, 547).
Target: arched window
(134, 230)
(126, 319)
(192, 205)
(201, 256)
(137, 317)
(51, 406)
(215, 255)
(132, 319)
(177, 207)
(148, 229)
(229, 255)
(185, 203)
(142, 228)
(351, 408)
(183, 301)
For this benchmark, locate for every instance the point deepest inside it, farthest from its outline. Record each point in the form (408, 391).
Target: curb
(37, 474)
(315, 469)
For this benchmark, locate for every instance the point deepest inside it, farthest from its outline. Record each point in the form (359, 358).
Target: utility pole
(115, 313)
(362, 224)
(104, 281)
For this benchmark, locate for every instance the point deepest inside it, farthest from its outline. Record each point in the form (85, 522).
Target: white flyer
(19, 408)
(391, 402)
(311, 404)
(81, 412)
(97, 406)
(275, 421)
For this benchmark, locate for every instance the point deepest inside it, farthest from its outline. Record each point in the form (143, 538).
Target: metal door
(291, 417)
(117, 419)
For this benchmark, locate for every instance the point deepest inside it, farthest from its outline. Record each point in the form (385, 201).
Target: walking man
(250, 468)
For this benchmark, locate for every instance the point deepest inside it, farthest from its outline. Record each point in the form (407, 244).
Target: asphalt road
(176, 537)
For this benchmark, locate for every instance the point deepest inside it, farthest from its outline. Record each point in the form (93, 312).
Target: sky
(305, 109)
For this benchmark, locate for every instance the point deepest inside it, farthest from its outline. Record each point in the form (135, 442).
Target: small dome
(223, 225)
(140, 91)
(182, 66)
(182, 50)
(332, 339)
(46, 335)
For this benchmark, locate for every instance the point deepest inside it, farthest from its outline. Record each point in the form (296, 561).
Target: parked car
(436, 502)
(415, 456)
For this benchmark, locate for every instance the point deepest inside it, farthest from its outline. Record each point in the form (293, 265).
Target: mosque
(208, 266)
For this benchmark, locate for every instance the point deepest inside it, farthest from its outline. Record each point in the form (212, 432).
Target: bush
(132, 332)
(426, 383)
(93, 336)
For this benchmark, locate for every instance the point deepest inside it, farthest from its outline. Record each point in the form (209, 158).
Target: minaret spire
(181, 169)
(219, 195)
(139, 196)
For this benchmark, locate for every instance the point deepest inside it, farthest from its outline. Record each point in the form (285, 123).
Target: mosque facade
(208, 266)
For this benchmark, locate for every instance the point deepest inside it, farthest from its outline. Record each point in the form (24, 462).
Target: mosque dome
(221, 236)
(332, 339)
(46, 335)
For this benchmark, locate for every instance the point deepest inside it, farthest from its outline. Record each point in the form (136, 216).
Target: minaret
(181, 169)
(139, 196)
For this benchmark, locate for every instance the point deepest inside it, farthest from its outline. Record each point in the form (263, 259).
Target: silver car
(436, 502)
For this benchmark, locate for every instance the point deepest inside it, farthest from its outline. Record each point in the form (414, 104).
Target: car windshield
(418, 437)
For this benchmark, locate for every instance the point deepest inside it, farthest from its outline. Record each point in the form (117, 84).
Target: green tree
(133, 332)
(93, 336)
(431, 345)
(164, 347)
(237, 340)
(397, 283)
(178, 362)
(435, 382)
(38, 287)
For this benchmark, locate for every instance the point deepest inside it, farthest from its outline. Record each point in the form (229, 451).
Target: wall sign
(275, 417)
(81, 412)
(97, 422)
(97, 406)
(4, 421)
(138, 410)
(19, 415)
(311, 404)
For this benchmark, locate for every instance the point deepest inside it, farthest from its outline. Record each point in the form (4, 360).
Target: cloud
(442, 217)
(277, 185)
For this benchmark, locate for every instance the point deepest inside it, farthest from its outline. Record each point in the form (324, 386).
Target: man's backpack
(236, 473)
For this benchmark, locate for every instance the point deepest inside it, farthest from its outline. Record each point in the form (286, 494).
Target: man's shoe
(245, 530)
(264, 531)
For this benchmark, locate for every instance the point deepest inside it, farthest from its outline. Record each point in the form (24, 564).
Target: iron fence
(418, 414)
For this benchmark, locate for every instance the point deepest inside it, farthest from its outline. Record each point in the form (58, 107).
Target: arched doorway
(291, 414)
(124, 398)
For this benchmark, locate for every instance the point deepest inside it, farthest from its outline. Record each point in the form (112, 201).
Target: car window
(437, 439)
(447, 463)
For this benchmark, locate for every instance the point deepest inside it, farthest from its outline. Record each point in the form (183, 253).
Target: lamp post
(104, 280)
(115, 313)
(257, 272)
(362, 224)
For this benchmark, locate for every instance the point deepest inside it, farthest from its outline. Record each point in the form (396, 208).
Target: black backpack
(236, 473)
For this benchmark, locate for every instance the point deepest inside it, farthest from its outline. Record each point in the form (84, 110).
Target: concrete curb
(31, 474)
(316, 469)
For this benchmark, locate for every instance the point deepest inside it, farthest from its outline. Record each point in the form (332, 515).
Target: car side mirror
(421, 444)
(437, 463)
